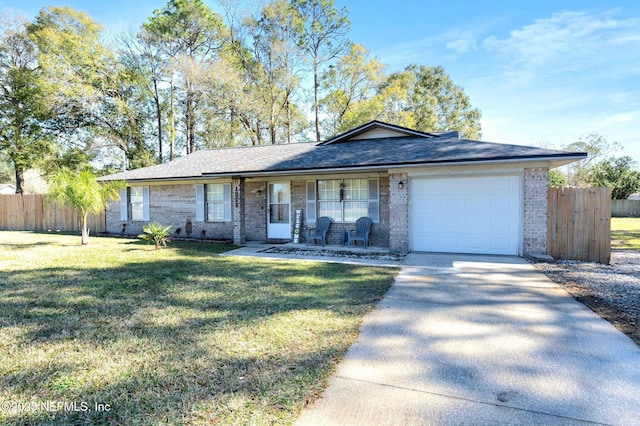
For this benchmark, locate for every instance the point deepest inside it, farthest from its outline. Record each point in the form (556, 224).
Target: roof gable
(376, 130)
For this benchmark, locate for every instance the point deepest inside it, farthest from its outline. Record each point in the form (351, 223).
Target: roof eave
(155, 179)
(553, 160)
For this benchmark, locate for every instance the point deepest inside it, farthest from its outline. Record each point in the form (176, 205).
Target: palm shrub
(156, 233)
(82, 191)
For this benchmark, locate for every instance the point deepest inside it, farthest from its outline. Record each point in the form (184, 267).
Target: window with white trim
(329, 203)
(134, 203)
(217, 202)
(346, 200)
(213, 202)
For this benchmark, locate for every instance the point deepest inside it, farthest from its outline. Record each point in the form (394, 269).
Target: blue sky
(542, 72)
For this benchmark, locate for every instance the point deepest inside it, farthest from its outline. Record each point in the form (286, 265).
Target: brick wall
(237, 209)
(536, 184)
(174, 204)
(399, 211)
(255, 213)
(170, 205)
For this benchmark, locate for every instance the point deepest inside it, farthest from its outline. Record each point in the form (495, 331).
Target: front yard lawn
(175, 336)
(625, 233)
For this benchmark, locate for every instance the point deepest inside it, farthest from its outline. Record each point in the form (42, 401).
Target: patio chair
(361, 233)
(320, 231)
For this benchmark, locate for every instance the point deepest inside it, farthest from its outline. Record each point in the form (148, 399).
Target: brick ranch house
(424, 191)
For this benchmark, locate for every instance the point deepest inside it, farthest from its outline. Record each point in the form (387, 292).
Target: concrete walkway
(481, 340)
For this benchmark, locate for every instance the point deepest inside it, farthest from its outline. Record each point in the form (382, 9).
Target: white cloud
(550, 81)
(623, 98)
(621, 118)
(463, 45)
(561, 77)
(569, 41)
(456, 41)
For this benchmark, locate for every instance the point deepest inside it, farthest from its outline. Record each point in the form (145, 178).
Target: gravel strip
(333, 253)
(612, 291)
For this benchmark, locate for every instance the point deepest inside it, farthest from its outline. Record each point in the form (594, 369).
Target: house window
(346, 200)
(213, 202)
(217, 202)
(134, 203)
(329, 199)
(311, 201)
(356, 199)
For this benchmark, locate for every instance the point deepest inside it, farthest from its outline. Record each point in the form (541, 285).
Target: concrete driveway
(473, 340)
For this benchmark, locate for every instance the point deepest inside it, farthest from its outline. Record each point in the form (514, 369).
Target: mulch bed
(334, 253)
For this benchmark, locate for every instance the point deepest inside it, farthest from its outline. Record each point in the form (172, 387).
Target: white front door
(279, 211)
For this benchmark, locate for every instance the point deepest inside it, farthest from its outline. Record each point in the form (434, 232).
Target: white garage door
(466, 214)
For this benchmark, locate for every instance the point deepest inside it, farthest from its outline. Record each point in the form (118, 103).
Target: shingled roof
(344, 155)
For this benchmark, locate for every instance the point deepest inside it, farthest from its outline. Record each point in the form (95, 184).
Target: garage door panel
(475, 243)
(472, 186)
(466, 215)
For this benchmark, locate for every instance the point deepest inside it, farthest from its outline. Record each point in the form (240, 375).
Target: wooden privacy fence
(579, 224)
(625, 208)
(36, 213)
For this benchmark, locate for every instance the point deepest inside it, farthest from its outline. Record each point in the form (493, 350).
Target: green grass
(175, 336)
(625, 233)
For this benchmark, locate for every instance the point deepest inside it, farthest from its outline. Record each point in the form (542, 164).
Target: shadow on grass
(189, 247)
(32, 240)
(625, 240)
(175, 340)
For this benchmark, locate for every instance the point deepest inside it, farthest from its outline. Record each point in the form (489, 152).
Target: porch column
(398, 213)
(237, 203)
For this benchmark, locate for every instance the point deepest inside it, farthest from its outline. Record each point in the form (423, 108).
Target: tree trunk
(172, 124)
(271, 125)
(258, 134)
(85, 230)
(190, 121)
(19, 179)
(159, 118)
(231, 124)
(288, 122)
(187, 122)
(316, 106)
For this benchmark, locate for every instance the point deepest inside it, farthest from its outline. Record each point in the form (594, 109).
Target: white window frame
(334, 200)
(127, 204)
(372, 186)
(311, 201)
(203, 206)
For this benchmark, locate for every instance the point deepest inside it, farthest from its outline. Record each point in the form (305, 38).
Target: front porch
(278, 210)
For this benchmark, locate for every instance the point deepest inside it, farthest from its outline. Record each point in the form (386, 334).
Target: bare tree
(324, 39)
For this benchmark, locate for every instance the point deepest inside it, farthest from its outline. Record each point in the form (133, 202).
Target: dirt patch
(612, 291)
